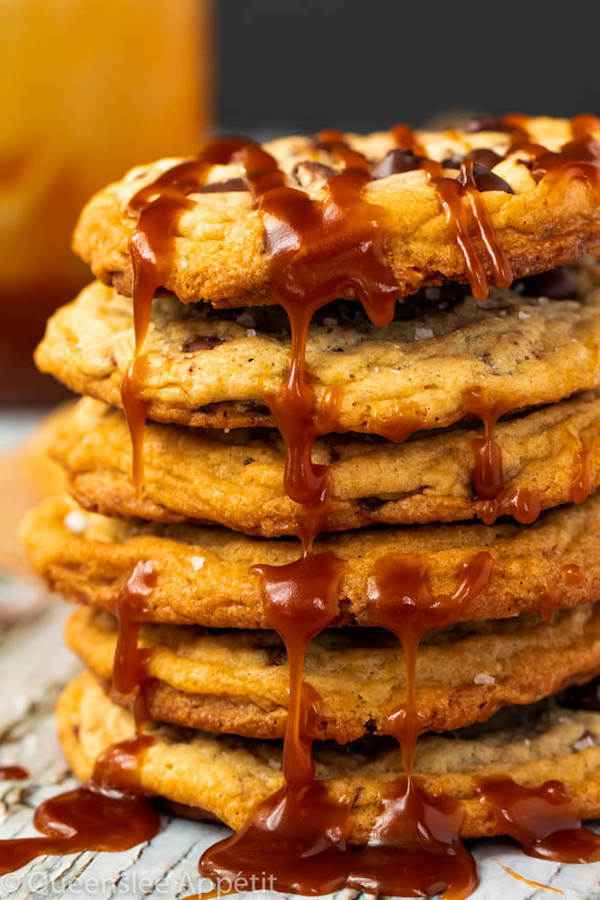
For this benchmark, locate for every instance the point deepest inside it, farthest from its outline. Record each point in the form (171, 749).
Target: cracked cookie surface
(219, 255)
(204, 575)
(203, 367)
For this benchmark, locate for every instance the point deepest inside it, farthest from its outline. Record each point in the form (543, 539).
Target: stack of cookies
(401, 489)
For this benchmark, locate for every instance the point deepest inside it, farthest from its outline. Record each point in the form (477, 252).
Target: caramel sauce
(543, 820)
(548, 598)
(403, 136)
(300, 600)
(415, 849)
(402, 601)
(451, 192)
(581, 485)
(488, 474)
(156, 208)
(109, 814)
(572, 573)
(13, 773)
(129, 661)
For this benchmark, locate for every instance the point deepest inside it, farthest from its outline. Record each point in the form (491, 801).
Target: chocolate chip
(486, 180)
(248, 460)
(229, 185)
(485, 156)
(557, 284)
(452, 162)
(486, 123)
(308, 172)
(398, 160)
(371, 503)
(202, 342)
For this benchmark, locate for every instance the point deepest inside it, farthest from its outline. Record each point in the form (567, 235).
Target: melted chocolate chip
(229, 185)
(486, 180)
(557, 284)
(400, 159)
(202, 342)
(486, 123)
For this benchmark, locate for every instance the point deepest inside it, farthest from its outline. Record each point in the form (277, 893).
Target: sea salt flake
(251, 332)
(524, 315)
(422, 333)
(75, 521)
(543, 301)
(197, 562)
(585, 741)
(329, 321)
(484, 678)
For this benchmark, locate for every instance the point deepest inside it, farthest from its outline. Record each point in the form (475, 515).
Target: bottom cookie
(225, 777)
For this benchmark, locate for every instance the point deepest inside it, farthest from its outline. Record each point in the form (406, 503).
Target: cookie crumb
(197, 562)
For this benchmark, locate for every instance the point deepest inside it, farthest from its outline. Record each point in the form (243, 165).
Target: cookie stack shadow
(171, 621)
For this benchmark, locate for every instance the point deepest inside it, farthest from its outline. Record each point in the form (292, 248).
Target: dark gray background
(363, 64)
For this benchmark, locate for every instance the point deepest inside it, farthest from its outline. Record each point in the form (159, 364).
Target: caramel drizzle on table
(109, 813)
(321, 249)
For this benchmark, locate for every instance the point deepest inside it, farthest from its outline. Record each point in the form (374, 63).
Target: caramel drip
(129, 661)
(301, 599)
(156, 208)
(488, 476)
(572, 573)
(522, 503)
(96, 817)
(451, 192)
(548, 598)
(581, 485)
(404, 137)
(402, 601)
(543, 820)
(13, 773)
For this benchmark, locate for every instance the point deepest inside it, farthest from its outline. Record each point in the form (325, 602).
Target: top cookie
(535, 182)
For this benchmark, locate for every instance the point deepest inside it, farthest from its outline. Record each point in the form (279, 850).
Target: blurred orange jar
(88, 89)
